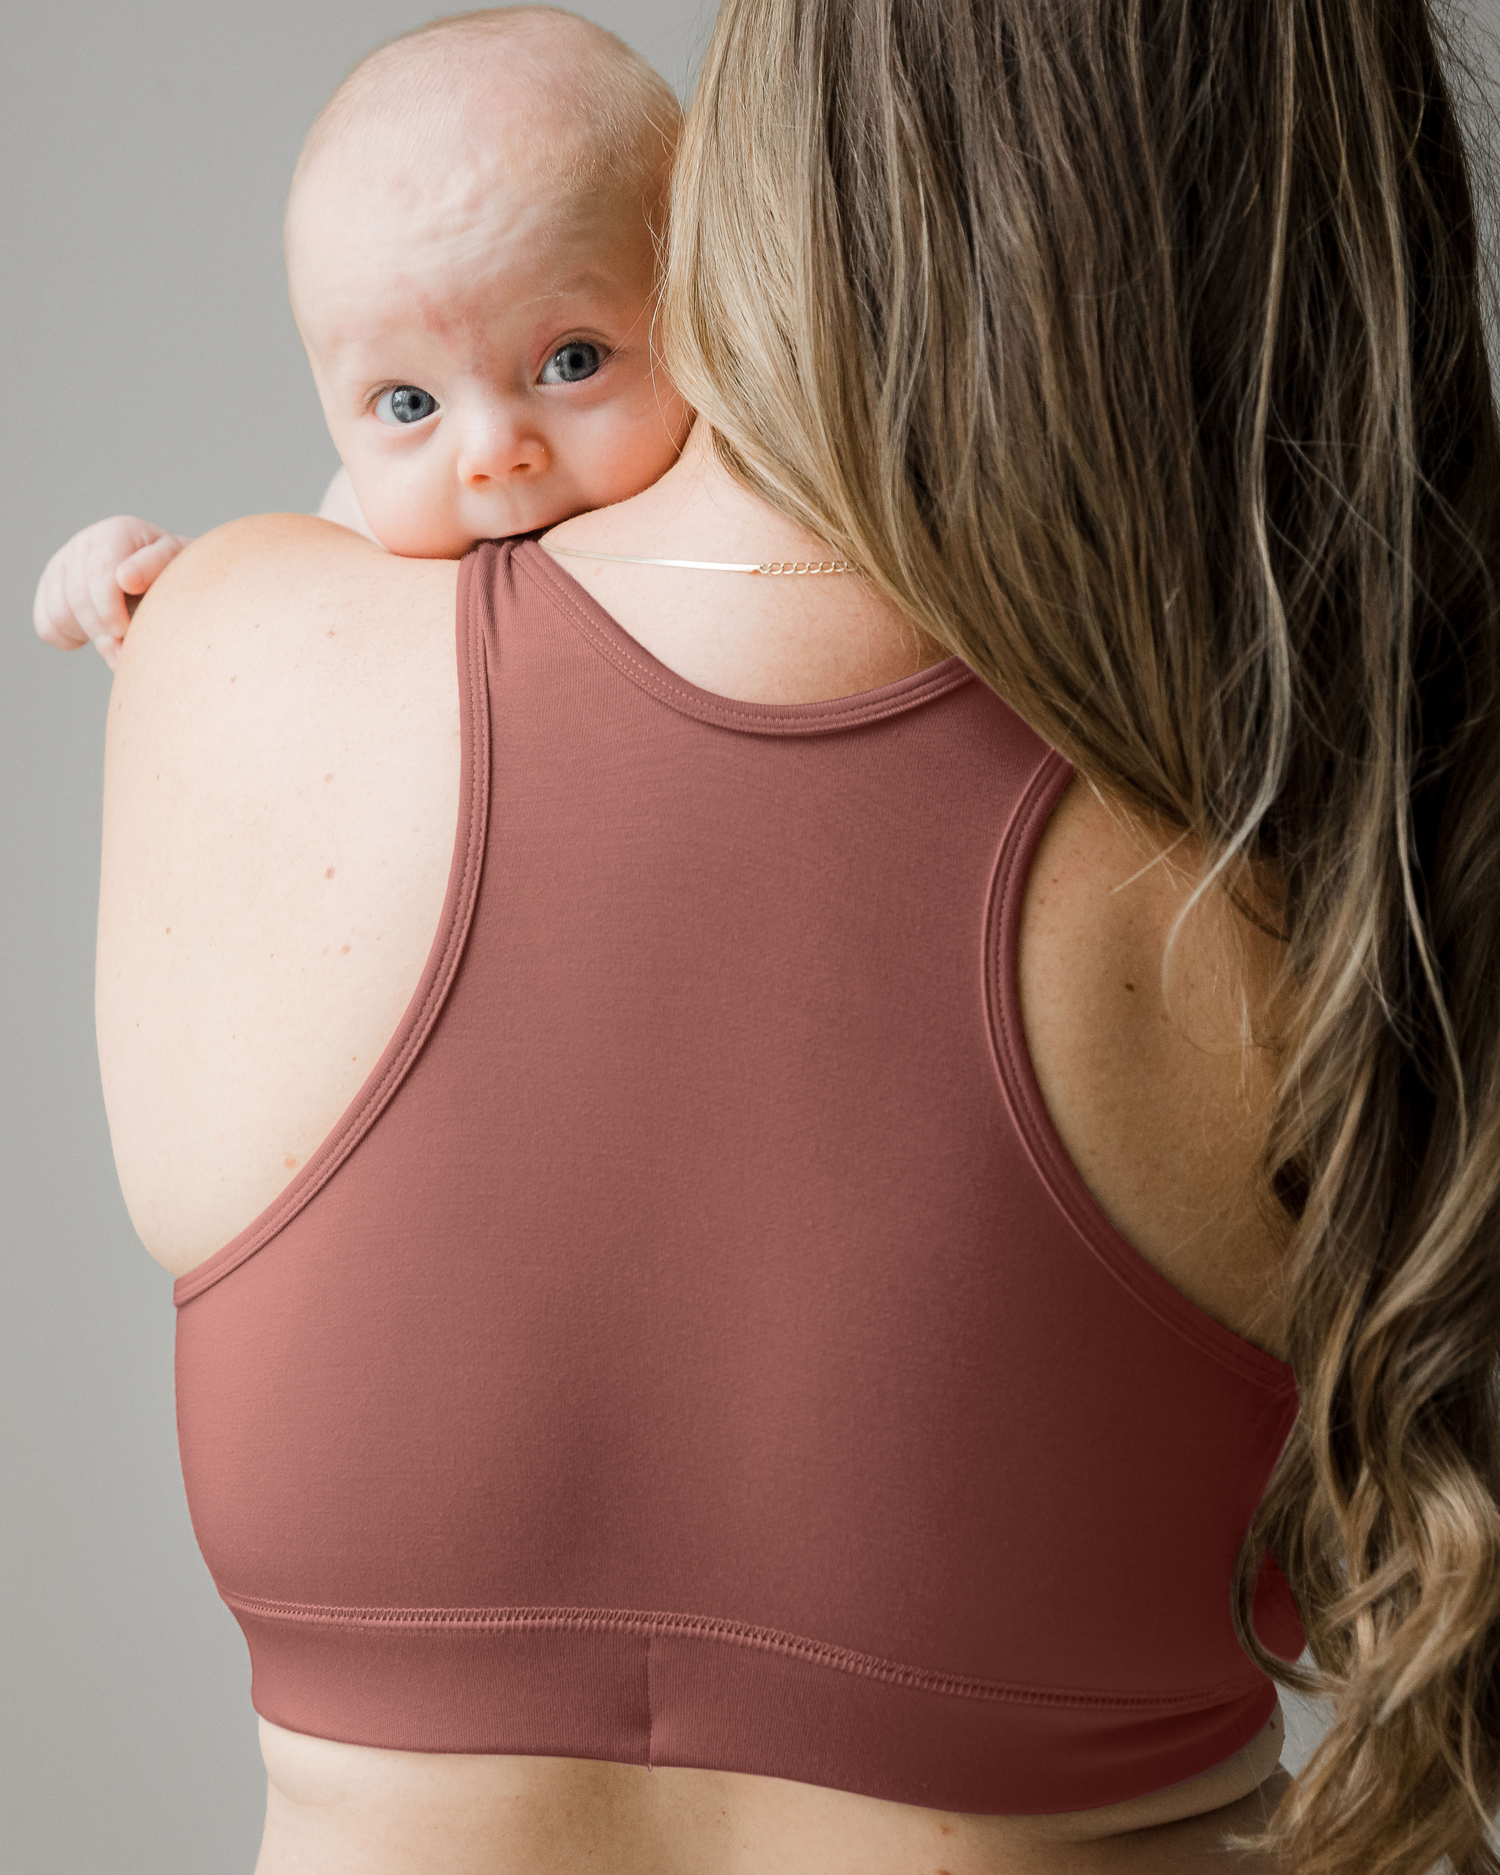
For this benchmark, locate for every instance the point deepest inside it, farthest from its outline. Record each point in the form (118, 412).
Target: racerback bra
(693, 1345)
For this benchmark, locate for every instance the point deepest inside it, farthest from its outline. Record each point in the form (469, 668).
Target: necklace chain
(774, 568)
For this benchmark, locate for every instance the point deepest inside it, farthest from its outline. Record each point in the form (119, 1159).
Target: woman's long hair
(1135, 348)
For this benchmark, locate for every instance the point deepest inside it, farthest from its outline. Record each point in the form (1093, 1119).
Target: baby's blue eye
(405, 404)
(571, 363)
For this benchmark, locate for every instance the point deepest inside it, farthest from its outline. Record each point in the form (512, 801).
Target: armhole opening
(1023, 1097)
(473, 618)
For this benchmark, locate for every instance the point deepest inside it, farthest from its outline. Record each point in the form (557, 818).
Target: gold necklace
(772, 567)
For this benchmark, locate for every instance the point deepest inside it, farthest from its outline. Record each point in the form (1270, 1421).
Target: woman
(780, 1250)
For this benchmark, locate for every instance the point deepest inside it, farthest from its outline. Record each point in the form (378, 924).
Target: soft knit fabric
(693, 1346)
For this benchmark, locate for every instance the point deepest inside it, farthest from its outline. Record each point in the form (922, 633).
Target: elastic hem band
(736, 1633)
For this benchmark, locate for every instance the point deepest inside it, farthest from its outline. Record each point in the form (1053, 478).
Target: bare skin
(281, 795)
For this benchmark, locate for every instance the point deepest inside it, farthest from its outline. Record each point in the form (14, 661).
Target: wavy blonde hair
(1135, 348)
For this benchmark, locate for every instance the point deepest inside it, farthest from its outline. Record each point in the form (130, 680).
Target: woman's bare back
(281, 796)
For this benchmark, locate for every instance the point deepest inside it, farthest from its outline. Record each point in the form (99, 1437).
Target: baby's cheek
(631, 451)
(409, 516)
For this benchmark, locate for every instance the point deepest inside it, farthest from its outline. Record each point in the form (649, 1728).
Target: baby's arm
(341, 504)
(88, 588)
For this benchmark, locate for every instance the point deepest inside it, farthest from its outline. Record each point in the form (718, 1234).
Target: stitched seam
(702, 703)
(1004, 889)
(359, 1123)
(770, 1640)
(650, 1707)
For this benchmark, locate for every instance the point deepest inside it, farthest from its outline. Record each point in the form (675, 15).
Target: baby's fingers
(50, 611)
(146, 565)
(101, 608)
(92, 605)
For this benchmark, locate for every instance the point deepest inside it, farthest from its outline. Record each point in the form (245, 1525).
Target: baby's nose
(499, 452)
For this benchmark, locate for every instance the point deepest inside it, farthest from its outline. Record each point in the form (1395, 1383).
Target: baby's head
(472, 242)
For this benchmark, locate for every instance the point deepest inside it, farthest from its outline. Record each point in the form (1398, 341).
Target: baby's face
(483, 356)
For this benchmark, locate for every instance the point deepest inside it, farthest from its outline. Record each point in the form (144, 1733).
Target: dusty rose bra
(693, 1345)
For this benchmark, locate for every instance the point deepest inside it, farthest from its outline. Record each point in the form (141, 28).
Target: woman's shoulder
(292, 573)
(272, 630)
(269, 647)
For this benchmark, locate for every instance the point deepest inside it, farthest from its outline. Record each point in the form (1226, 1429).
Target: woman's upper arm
(219, 668)
(207, 680)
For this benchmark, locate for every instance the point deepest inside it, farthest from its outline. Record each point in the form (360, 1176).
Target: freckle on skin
(328, 777)
(1130, 986)
(289, 1161)
(329, 873)
(344, 952)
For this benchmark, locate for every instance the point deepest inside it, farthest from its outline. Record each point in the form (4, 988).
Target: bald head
(474, 260)
(514, 96)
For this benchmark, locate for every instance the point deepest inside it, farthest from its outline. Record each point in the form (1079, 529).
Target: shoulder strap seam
(705, 706)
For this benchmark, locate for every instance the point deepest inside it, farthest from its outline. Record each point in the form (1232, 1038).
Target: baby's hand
(88, 589)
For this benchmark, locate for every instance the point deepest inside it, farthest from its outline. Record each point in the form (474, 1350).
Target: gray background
(153, 369)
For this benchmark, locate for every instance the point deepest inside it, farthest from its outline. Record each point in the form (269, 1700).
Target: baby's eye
(571, 363)
(405, 404)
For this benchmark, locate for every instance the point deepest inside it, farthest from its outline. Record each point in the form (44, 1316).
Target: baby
(472, 243)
